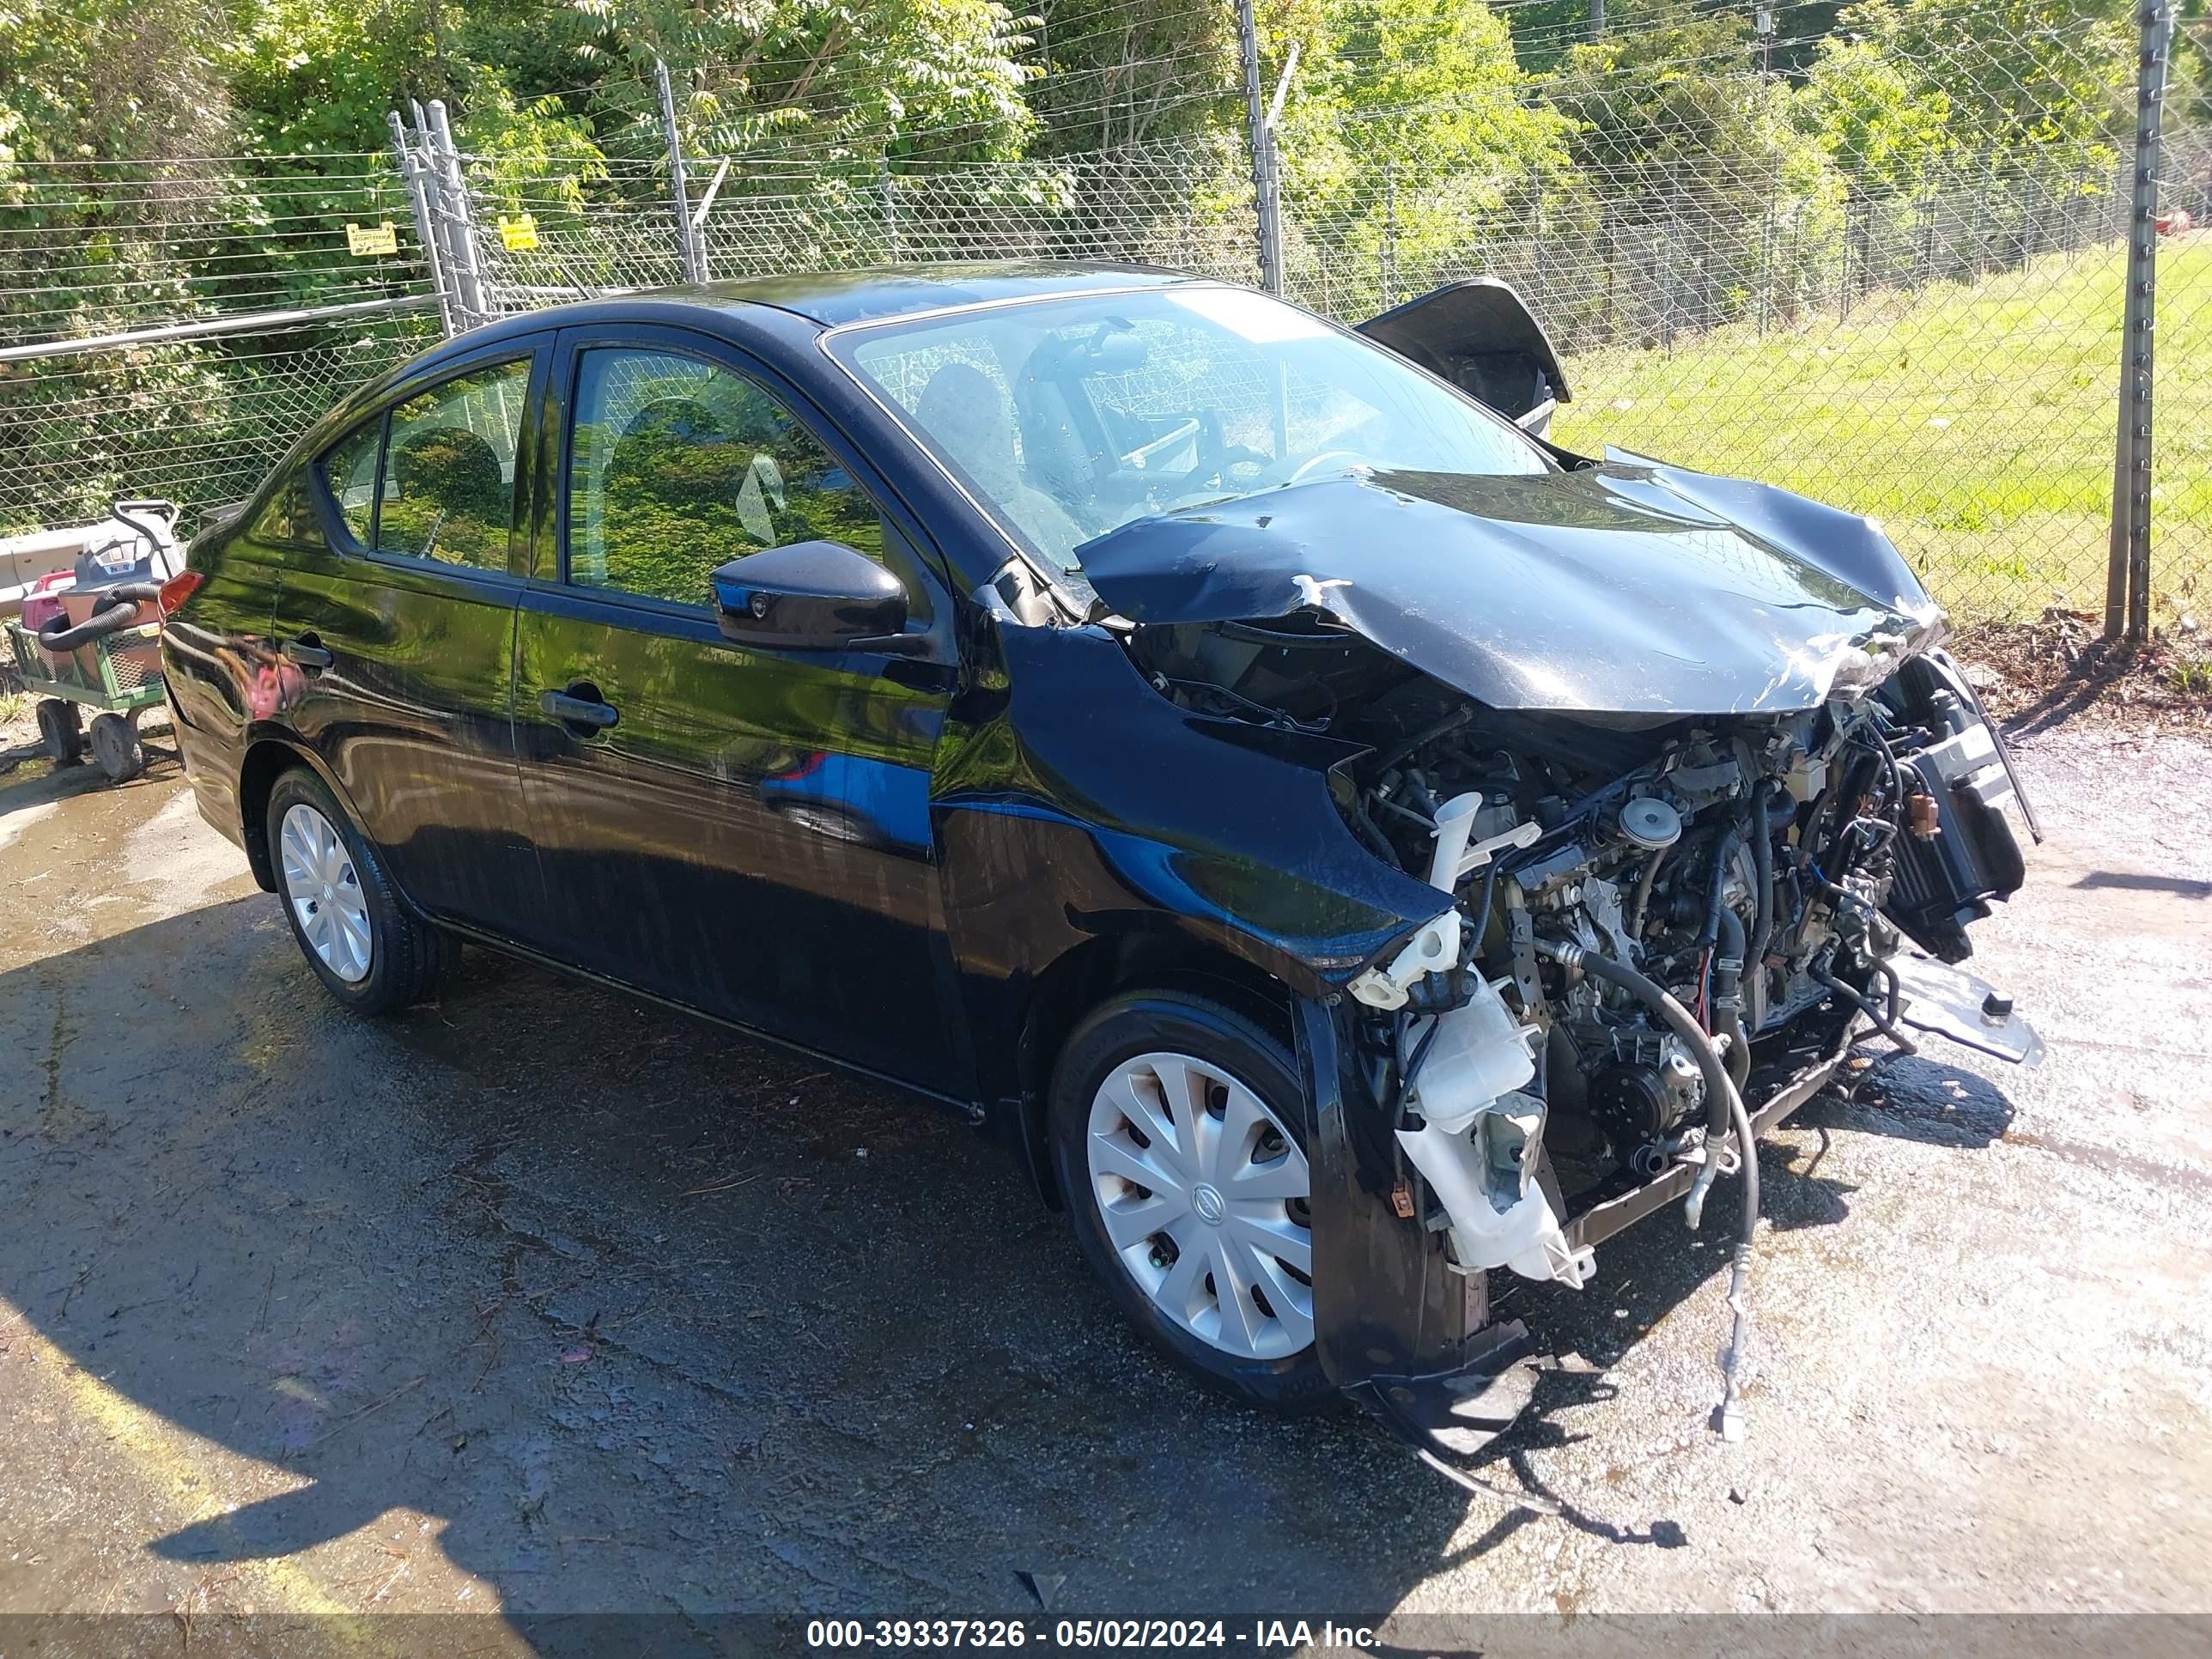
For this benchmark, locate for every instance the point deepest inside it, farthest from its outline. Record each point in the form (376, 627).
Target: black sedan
(1343, 843)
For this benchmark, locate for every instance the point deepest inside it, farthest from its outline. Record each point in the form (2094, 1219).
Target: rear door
(400, 630)
(742, 829)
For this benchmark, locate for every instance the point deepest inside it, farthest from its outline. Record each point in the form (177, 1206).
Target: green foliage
(1427, 97)
(1883, 122)
(847, 73)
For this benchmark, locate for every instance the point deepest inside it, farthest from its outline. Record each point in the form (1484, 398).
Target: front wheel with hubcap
(369, 951)
(1177, 1131)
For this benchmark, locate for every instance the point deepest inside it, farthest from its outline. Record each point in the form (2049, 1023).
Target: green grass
(1975, 422)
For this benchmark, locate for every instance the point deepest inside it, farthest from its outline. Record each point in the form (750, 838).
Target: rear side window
(350, 474)
(677, 466)
(433, 477)
(448, 489)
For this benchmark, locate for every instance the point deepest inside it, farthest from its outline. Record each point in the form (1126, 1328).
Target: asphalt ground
(541, 1301)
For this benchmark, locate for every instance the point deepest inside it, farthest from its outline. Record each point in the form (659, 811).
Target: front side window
(448, 476)
(1069, 417)
(677, 466)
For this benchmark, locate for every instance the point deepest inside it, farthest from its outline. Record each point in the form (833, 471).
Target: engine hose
(1882, 1022)
(1762, 921)
(1622, 976)
(1643, 899)
(1896, 990)
(1728, 999)
(1720, 1088)
(1390, 757)
(1709, 933)
(119, 610)
(1739, 1296)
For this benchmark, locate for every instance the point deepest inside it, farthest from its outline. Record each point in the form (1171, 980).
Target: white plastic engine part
(1484, 1177)
(1434, 948)
(1479, 1053)
(1478, 1152)
(1454, 823)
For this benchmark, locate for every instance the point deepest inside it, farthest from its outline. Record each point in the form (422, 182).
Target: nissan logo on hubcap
(1207, 1203)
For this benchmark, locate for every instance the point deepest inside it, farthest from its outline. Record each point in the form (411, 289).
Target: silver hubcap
(1204, 1195)
(325, 893)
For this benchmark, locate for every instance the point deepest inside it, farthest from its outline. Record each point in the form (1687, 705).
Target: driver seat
(968, 417)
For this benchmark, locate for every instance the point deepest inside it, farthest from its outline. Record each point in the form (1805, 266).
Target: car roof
(834, 298)
(831, 299)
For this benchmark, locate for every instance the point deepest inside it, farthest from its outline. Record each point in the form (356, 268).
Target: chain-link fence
(1761, 257)
(166, 328)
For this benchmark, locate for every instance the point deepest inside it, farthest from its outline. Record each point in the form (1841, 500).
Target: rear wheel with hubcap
(1177, 1128)
(370, 951)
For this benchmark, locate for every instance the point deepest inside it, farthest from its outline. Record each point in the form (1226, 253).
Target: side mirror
(811, 596)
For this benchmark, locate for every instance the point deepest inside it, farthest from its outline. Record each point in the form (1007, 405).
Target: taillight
(181, 587)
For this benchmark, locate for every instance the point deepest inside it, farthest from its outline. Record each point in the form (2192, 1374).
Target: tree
(1413, 135)
(845, 77)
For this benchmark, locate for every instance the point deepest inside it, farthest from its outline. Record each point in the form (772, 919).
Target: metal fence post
(1390, 271)
(1266, 211)
(890, 194)
(2127, 579)
(426, 229)
(687, 245)
(452, 208)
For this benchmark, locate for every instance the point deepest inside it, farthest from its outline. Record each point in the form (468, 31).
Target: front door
(398, 633)
(741, 829)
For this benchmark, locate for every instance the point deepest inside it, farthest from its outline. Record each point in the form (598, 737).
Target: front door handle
(579, 705)
(307, 652)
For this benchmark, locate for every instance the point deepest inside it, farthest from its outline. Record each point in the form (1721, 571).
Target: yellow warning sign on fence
(518, 234)
(366, 242)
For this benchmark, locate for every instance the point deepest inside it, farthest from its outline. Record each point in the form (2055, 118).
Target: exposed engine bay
(1654, 919)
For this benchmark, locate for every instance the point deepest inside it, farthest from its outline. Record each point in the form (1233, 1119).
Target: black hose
(1389, 757)
(1762, 921)
(1896, 990)
(1710, 932)
(1728, 1000)
(1643, 899)
(1882, 1021)
(1680, 1020)
(1731, 1111)
(119, 610)
(1482, 915)
(1377, 842)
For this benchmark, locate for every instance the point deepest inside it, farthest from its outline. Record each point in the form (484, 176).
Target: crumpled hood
(1628, 586)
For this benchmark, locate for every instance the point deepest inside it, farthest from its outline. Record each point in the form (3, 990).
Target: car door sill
(971, 1111)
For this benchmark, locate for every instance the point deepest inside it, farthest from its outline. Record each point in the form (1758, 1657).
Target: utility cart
(118, 676)
(90, 639)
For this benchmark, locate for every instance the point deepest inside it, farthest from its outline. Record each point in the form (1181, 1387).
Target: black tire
(60, 731)
(1181, 1022)
(115, 748)
(408, 958)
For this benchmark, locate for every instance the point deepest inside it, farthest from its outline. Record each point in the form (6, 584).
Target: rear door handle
(307, 652)
(570, 709)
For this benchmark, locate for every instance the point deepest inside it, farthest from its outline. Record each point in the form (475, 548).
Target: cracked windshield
(1069, 418)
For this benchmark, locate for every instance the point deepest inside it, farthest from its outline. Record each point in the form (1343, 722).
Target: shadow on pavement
(642, 1316)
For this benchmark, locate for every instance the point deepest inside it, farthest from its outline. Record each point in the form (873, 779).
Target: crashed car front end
(1697, 806)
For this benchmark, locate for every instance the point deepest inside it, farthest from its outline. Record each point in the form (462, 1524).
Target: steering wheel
(1215, 465)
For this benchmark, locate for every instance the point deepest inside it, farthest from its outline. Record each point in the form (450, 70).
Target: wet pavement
(540, 1299)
